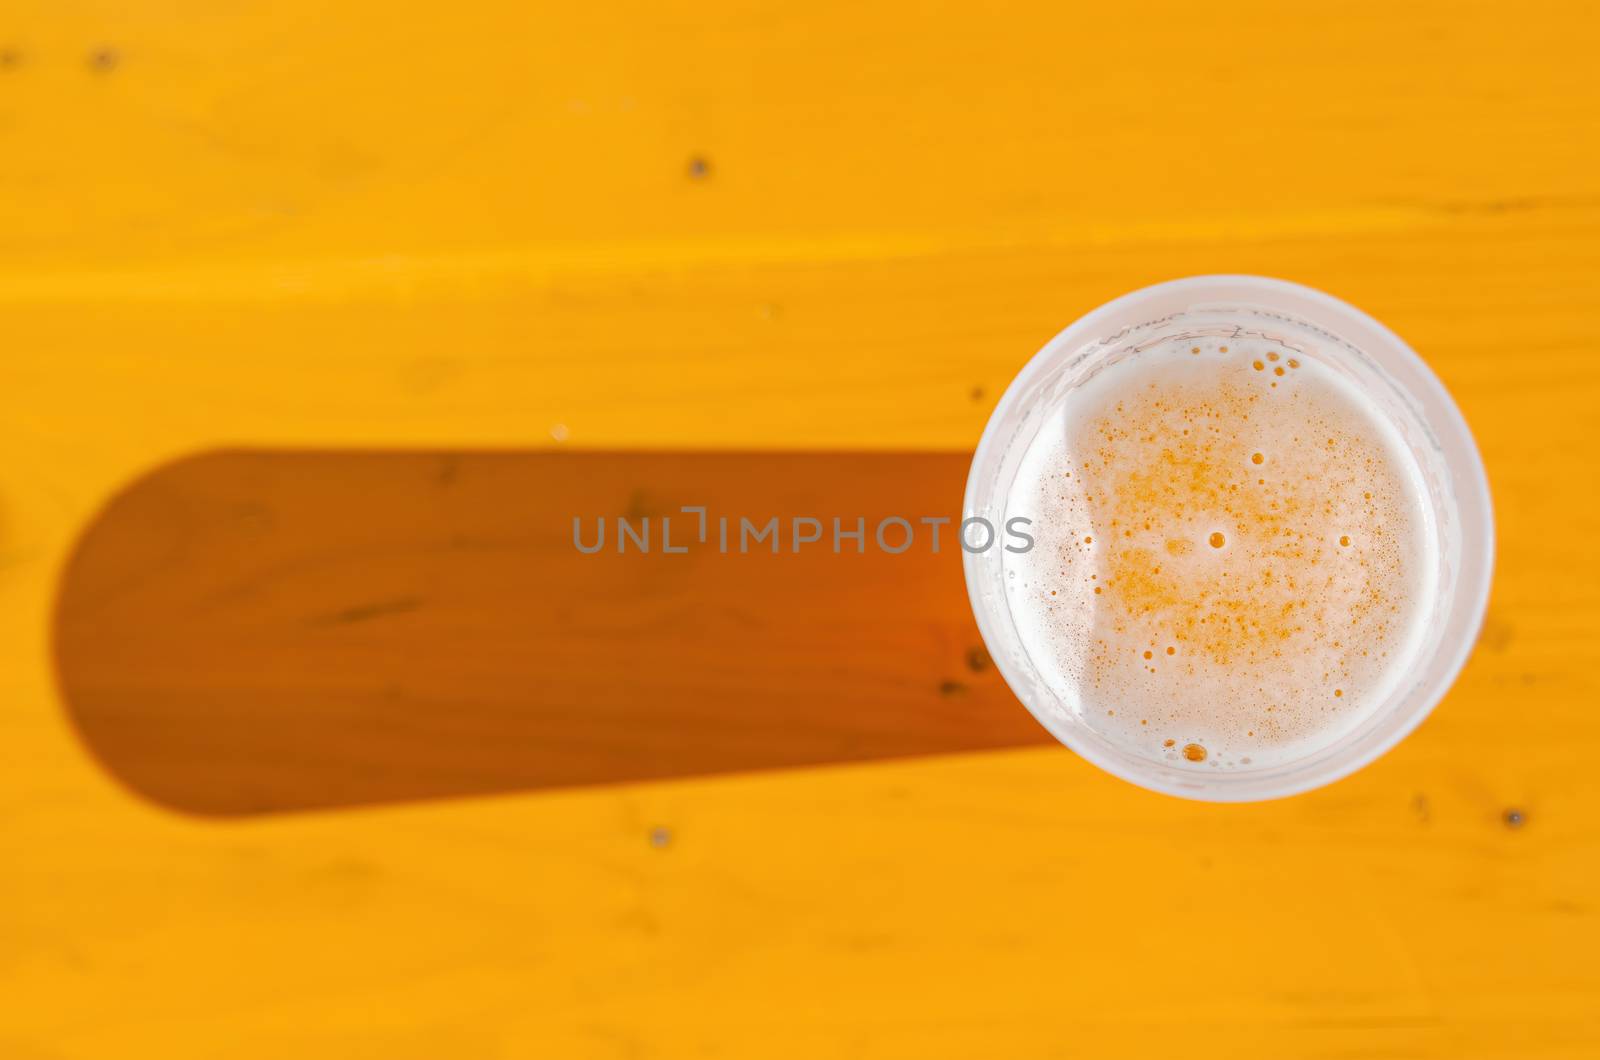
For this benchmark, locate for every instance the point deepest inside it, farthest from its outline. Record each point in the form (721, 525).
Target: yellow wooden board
(790, 226)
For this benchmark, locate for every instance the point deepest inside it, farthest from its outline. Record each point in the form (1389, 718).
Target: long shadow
(253, 632)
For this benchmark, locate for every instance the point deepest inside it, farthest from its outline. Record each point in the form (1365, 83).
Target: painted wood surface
(788, 227)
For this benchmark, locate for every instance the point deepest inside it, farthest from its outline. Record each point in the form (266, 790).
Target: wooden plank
(1398, 913)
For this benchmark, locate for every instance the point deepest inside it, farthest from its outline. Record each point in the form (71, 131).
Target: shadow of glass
(253, 632)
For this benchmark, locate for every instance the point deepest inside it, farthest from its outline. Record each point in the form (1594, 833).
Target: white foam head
(1234, 557)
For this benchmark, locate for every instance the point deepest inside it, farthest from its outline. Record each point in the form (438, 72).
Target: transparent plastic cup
(1399, 384)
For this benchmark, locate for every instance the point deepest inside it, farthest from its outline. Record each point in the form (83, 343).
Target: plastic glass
(1350, 342)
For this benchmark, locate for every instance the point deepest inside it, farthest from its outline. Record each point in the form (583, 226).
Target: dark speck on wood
(367, 612)
(1496, 635)
(639, 506)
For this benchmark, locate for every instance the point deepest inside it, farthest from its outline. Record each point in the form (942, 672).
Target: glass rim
(1468, 477)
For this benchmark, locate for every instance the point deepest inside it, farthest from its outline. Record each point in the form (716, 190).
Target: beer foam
(1233, 558)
